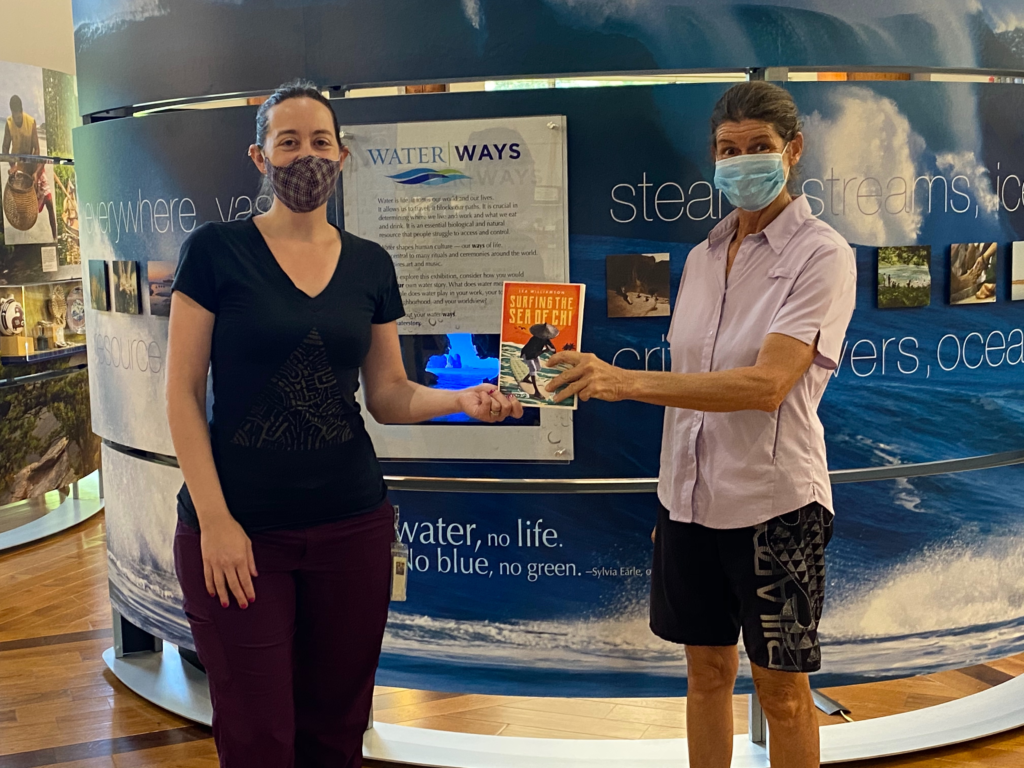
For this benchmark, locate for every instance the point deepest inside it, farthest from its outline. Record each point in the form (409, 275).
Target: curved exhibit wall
(138, 208)
(924, 572)
(140, 518)
(250, 45)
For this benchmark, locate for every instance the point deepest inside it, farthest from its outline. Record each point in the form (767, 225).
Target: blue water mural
(924, 574)
(253, 45)
(948, 598)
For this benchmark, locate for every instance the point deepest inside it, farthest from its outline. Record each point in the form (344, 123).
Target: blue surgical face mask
(751, 182)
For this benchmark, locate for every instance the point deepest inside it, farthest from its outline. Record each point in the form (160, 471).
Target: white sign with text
(461, 206)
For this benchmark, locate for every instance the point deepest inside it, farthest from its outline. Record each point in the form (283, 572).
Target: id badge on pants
(399, 566)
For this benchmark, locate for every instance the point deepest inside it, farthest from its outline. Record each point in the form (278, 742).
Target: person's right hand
(228, 562)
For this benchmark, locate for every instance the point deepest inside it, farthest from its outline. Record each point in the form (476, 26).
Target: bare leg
(792, 722)
(711, 676)
(53, 218)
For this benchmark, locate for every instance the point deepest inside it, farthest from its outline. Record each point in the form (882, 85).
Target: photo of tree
(904, 276)
(46, 437)
(60, 108)
(99, 285)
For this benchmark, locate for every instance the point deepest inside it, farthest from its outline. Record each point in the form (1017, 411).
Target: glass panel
(457, 361)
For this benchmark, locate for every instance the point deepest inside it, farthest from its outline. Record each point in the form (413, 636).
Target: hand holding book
(589, 377)
(485, 403)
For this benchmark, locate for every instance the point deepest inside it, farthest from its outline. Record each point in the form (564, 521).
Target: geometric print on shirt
(301, 408)
(789, 562)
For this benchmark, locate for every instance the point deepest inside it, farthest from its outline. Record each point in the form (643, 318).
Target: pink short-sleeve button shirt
(798, 278)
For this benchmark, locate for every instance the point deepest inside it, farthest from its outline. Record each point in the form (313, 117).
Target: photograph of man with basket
(27, 191)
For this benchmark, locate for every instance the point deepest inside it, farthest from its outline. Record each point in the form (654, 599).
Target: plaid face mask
(304, 184)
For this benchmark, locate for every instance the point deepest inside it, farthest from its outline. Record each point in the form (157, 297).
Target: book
(538, 320)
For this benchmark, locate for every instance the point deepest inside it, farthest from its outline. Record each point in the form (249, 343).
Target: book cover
(538, 320)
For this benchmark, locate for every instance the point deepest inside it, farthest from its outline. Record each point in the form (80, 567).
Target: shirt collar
(724, 230)
(787, 223)
(778, 233)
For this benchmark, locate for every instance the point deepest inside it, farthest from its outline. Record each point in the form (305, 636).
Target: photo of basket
(69, 214)
(21, 207)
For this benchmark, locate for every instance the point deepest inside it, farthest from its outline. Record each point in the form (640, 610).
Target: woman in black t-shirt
(282, 489)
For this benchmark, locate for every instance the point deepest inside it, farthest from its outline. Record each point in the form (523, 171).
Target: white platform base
(169, 682)
(166, 680)
(67, 514)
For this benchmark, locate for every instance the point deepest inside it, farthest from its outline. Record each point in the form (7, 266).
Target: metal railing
(637, 484)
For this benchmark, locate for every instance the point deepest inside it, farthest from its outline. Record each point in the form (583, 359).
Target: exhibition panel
(46, 440)
(538, 585)
(572, 569)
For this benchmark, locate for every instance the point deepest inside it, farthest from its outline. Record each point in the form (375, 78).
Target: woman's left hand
(485, 403)
(589, 377)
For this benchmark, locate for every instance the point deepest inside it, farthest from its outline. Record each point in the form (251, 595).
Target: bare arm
(35, 141)
(227, 552)
(392, 399)
(188, 362)
(7, 140)
(781, 362)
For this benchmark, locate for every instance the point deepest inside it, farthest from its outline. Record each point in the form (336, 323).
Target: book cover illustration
(538, 320)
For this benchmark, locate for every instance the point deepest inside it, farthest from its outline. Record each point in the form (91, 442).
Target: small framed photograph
(125, 287)
(972, 273)
(904, 276)
(99, 286)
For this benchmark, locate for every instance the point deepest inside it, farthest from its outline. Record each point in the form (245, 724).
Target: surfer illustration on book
(525, 369)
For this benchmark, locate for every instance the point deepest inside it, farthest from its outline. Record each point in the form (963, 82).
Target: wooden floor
(59, 705)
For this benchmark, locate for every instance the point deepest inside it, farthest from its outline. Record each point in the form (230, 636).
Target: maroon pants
(291, 677)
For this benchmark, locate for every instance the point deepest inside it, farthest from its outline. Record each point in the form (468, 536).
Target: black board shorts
(766, 581)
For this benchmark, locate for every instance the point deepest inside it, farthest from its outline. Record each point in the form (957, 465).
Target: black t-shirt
(288, 439)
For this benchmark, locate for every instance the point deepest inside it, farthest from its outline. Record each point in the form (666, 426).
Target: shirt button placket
(698, 417)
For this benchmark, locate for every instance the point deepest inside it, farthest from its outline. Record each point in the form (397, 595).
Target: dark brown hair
(763, 101)
(296, 89)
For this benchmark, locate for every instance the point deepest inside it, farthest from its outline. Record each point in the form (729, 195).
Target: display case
(41, 321)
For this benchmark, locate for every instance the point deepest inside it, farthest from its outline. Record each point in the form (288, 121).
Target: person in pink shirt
(745, 501)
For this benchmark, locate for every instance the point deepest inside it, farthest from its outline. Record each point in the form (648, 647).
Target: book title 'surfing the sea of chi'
(538, 321)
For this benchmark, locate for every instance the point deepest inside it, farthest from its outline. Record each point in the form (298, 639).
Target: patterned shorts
(768, 582)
